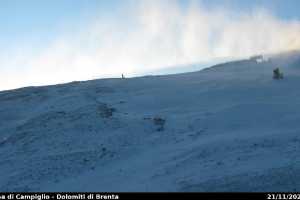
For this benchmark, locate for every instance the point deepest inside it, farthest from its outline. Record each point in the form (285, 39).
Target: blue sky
(285, 9)
(32, 31)
(41, 20)
(23, 20)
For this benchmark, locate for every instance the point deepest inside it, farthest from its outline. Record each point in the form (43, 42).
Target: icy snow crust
(230, 127)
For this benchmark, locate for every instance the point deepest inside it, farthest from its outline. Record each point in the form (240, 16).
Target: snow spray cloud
(148, 37)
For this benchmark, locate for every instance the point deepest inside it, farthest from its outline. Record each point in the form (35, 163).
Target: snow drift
(230, 127)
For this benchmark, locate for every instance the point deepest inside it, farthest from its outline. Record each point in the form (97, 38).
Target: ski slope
(230, 127)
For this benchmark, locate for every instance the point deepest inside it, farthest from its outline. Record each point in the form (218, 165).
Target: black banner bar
(146, 195)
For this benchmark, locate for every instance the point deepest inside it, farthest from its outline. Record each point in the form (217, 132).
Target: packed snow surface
(231, 127)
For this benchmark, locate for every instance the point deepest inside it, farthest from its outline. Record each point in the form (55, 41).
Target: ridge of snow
(230, 127)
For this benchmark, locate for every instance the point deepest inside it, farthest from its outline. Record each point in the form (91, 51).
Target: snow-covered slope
(230, 127)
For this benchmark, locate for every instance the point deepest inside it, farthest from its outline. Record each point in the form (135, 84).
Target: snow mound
(230, 127)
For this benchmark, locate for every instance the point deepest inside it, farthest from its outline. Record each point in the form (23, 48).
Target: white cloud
(154, 35)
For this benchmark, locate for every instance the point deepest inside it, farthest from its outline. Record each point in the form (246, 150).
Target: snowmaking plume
(147, 37)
